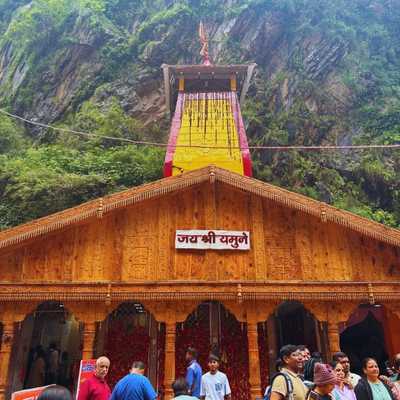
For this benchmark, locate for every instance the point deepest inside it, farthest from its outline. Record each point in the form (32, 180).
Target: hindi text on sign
(212, 239)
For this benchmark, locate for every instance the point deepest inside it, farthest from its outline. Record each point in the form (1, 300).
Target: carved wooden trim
(258, 242)
(197, 296)
(95, 313)
(11, 311)
(164, 186)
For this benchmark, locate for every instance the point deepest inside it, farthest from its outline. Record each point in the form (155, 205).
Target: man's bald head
(102, 366)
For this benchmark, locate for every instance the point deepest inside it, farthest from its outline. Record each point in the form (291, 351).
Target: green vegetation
(63, 171)
(328, 72)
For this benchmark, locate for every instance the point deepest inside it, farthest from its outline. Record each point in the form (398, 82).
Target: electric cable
(164, 145)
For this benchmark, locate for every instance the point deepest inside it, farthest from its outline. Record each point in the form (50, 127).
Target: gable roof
(104, 205)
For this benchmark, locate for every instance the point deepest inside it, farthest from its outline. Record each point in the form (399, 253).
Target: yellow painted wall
(207, 123)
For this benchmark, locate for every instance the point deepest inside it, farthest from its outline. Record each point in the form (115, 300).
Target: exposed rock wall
(328, 72)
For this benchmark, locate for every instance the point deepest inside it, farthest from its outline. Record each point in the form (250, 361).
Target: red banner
(28, 394)
(86, 371)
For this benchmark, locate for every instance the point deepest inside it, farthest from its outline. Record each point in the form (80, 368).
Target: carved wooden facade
(122, 248)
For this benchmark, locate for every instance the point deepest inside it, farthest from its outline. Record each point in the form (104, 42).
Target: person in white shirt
(214, 384)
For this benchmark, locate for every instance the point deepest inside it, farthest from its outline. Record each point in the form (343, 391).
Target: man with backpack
(286, 384)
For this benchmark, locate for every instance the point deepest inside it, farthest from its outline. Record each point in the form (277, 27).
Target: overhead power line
(158, 144)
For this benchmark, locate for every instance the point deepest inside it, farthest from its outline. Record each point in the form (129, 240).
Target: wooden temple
(107, 277)
(119, 251)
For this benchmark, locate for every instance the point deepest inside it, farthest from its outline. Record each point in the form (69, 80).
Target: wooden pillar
(169, 375)
(5, 356)
(89, 317)
(254, 360)
(89, 335)
(333, 337)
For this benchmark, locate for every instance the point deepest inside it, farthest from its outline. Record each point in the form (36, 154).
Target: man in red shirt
(96, 388)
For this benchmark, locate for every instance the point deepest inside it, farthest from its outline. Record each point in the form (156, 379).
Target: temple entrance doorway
(291, 323)
(47, 349)
(364, 336)
(131, 333)
(296, 325)
(211, 328)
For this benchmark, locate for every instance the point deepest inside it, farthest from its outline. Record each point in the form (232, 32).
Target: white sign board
(212, 240)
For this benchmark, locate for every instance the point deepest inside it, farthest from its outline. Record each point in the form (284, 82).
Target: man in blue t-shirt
(134, 386)
(193, 372)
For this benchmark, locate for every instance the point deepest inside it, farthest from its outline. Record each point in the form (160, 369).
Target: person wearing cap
(324, 380)
(291, 362)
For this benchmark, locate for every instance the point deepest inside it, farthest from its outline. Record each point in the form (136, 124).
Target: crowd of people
(300, 376)
(46, 366)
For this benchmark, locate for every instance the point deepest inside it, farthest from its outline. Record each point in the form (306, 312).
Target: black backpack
(289, 387)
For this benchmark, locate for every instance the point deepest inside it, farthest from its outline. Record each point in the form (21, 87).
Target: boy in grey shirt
(214, 384)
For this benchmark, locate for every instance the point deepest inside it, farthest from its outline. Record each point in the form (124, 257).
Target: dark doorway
(295, 325)
(47, 349)
(365, 339)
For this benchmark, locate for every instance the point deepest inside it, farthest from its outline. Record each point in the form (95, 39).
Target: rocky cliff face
(328, 72)
(75, 62)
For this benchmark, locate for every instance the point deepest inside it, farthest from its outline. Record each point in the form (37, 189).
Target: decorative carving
(239, 294)
(95, 313)
(100, 208)
(108, 297)
(163, 262)
(337, 313)
(371, 297)
(171, 184)
(318, 309)
(340, 311)
(258, 240)
(12, 312)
